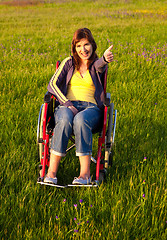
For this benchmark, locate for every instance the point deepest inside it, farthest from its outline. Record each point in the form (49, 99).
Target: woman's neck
(83, 68)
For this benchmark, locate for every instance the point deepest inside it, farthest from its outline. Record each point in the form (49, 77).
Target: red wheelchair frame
(105, 140)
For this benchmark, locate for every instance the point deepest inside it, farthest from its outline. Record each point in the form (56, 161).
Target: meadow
(131, 203)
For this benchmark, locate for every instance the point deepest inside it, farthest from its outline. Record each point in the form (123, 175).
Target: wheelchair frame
(105, 140)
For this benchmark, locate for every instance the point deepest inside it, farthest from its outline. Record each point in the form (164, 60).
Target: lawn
(131, 203)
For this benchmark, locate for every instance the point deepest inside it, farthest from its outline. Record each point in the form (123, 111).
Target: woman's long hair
(78, 35)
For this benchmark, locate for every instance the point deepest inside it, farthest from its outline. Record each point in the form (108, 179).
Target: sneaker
(50, 180)
(81, 181)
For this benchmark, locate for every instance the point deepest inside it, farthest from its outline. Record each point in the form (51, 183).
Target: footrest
(87, 185)
(53, 185)
(93, 184)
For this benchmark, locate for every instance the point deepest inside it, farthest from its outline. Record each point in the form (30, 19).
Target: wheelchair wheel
(110, 123)
(109, 134)
(40, 133)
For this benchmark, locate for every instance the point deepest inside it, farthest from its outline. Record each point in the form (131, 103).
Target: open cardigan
(59, 82)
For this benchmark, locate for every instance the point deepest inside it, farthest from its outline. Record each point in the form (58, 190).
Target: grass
(131, 204)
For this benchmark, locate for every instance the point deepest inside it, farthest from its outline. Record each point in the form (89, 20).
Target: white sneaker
(50, 180)
(81, 181)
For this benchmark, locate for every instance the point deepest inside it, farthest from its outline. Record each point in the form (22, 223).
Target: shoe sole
(51, 183)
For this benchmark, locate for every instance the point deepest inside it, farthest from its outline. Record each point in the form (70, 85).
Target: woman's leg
(62, 132)
(85, 166)
(84, 123)
(53, 166)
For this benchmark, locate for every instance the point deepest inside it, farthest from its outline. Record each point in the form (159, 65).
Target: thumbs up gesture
(108, 56)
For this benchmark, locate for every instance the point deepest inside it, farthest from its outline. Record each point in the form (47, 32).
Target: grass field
(131, 204)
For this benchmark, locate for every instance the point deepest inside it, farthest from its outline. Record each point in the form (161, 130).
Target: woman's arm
(101, 63)
(57, 80)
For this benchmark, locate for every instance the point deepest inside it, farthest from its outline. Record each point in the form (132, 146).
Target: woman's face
(84, 49)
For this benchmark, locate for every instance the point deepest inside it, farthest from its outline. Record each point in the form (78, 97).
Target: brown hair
(78, 35)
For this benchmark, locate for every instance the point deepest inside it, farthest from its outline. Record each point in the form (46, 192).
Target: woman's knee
(64, 117)
(79, 120)
(80, 123)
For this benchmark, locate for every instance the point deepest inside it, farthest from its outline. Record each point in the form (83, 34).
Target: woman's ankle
(51, 174)
(84, 176)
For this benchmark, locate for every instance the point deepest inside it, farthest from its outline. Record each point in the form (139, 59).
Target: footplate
(93, 184)
(53, 185)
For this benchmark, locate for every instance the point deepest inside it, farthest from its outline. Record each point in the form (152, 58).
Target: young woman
(78, 88)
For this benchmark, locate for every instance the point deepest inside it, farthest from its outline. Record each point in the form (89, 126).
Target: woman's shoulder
(67, 61)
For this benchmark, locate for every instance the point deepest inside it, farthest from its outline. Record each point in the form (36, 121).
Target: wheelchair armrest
(107, 99)
(47, 97)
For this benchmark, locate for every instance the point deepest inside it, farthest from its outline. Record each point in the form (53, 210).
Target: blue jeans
(87, 119)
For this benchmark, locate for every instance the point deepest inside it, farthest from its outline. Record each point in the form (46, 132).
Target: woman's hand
(108, 56)
(73, 109)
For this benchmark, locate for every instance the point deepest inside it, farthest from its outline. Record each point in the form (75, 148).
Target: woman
(78, 88)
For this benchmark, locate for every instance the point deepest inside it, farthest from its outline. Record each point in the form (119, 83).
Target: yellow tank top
(81, 88)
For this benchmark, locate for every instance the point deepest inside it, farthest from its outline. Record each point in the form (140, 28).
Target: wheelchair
(106, 135)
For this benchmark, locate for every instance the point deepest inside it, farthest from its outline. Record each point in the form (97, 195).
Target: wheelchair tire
(110, 123)
(40, 144)
(109, 136)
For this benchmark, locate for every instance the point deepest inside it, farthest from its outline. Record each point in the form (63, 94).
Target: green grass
(32, 39)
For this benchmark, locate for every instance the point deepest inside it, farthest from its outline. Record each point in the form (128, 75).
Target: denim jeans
(81, 125)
